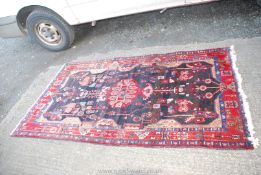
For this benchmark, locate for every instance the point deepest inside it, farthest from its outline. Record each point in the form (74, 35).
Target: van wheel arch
(23, 14)
(53, 32)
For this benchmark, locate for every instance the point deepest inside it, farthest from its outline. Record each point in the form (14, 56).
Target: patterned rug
(181, 99)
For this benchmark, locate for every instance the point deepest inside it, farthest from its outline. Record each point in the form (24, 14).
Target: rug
(181, 99)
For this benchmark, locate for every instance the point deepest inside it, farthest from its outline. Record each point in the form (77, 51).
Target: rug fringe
(243, 96)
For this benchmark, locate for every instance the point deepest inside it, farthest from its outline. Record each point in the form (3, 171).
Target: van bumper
(9, 27)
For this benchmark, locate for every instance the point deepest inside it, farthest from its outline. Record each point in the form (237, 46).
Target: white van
(50, 23)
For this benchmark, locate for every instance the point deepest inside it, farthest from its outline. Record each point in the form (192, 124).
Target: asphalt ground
(30, 156)
(26, 69)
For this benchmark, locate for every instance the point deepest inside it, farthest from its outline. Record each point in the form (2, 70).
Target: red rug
(182, 99)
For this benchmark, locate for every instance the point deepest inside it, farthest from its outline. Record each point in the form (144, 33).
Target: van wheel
(49, 30)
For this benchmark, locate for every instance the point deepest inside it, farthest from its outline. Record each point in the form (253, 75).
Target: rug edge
(244, 103)
(12, 133)
(117, 58)
(243, 96)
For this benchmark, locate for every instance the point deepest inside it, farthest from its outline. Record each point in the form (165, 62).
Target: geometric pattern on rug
(181, 99)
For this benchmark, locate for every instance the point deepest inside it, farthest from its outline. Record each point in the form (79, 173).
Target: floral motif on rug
(181, 99)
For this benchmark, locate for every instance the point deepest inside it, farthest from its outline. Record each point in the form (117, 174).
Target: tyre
(49, 30)
(258, 2)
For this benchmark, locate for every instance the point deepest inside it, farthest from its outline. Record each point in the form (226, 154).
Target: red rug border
(250, 146)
